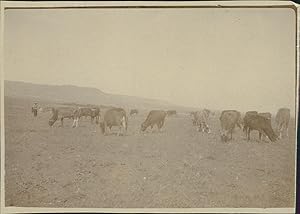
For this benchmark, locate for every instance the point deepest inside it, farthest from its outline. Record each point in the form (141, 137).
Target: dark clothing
(34, 110)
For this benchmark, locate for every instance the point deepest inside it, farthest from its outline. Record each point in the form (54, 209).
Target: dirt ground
(176, 168)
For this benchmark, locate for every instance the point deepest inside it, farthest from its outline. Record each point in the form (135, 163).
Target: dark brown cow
(261, 124)
(64, 112)
(133, 111)
(229, 120)
(155, 117)
(114, 117)
(266, 115)
(282, 120)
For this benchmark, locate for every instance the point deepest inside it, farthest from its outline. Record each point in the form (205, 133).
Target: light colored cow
(201, 120)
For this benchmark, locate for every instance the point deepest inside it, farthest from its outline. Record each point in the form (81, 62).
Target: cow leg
(248, 133)
(106, 130)
(280, 135)
(280, 132)
(124, 124)
(245, 130)
(159, 125)
(199, 129)
(75, 123)
(62, 122)
(204, 127)
(120, 129)
(259, 134)
(110, 129)
(162, 124)
(209, 131)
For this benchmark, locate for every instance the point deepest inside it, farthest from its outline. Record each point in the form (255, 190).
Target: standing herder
(34, 109)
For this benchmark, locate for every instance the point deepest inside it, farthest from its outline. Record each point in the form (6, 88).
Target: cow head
(271, 134)
(268, 130)
(143, 127)
(51, 122)
(224, 137)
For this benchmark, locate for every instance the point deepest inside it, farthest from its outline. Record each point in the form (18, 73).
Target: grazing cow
(282, 120)
(64, 112)
(155, 117)
(171, 112)
(229, 119)
(248, 114)
(201, 120)
(114, 117)
(133, 111)
(95, 114)
(261, 124)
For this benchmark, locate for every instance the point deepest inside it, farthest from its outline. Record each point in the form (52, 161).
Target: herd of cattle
(229, 120)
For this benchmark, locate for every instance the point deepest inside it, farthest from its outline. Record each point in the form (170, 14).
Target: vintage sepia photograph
(149, 107)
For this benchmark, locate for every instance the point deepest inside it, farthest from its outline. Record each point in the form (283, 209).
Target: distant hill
(83, 95)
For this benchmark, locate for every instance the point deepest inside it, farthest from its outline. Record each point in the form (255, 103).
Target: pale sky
(216, 58)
